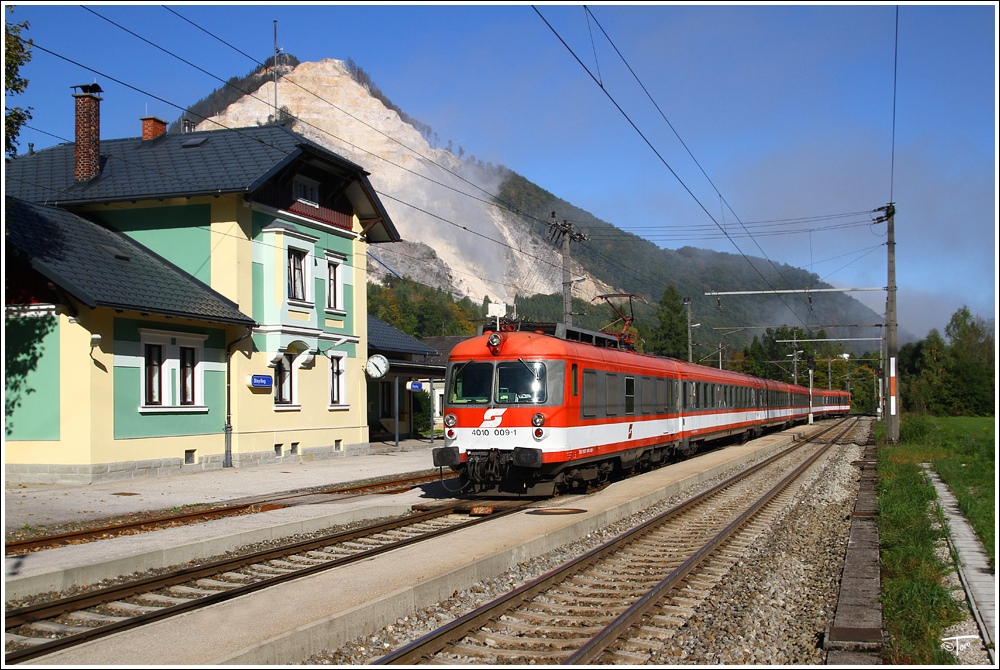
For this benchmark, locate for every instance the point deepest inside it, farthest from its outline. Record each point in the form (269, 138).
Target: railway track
(34, 631)
(619, 602)
(263, 504)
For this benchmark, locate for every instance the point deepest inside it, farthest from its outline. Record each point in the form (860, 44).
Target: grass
(969, 470)
(917, 606)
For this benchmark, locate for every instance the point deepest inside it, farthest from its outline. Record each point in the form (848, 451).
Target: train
(542, 409)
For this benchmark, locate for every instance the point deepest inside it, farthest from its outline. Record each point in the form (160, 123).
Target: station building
(184, 301)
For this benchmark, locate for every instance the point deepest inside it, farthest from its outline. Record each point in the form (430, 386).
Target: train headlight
(538, 420)
(450, 420)
(494, 342)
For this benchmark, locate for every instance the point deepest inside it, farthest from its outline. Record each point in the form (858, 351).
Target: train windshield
(520, 382)
(471, 383)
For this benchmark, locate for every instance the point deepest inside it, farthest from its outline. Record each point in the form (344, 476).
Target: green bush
(421, 413)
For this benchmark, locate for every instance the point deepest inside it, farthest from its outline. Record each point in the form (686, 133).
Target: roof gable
(215, 162)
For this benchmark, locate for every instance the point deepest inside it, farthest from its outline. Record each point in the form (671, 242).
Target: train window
(630, 395)
(648, 398)
(613, 395)
(589, 403)
(521, 382)
(576, 382)
(470, 383)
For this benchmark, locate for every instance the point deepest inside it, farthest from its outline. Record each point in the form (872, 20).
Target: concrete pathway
(974, 569)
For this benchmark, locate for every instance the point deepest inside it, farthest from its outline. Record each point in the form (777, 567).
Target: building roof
(443, 344)
(213, 162)
(101, 267)
(384, 338)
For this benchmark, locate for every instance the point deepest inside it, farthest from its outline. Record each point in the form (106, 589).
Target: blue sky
(689, 125)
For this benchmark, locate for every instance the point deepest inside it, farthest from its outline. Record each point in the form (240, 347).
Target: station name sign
(259, 381)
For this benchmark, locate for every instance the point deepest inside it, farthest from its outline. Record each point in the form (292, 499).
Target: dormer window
(306, 191)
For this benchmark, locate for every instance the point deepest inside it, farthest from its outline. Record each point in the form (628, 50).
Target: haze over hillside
(457, 238)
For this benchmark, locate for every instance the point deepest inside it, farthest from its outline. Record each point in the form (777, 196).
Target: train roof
(560, 340)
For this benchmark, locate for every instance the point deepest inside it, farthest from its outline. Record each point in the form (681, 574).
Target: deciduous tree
(17, 52)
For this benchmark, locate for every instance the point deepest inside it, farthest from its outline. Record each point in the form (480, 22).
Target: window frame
(284, 373)
(300, 258)
(335, 265)
(306, 190)
(305, 245)
(186, 375)
(171, 372)
(338, 380)
(152, 374)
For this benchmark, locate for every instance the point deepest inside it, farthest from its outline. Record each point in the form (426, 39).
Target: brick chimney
(88, 132)
(152, 127)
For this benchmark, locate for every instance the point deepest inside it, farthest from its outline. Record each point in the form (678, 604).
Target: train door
(765, 404)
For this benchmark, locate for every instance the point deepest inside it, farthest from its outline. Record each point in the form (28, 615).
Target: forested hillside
(443, 280)
(622, 259)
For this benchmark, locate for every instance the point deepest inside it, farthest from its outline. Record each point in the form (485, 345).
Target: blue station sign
(259, 381)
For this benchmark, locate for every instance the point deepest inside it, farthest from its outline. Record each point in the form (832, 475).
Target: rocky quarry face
(454, 238)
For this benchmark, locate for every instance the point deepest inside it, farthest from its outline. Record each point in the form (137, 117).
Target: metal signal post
(565, 231)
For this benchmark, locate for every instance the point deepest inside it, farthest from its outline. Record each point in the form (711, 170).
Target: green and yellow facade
(78, 412)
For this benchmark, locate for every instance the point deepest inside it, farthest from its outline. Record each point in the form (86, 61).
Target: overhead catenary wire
(611, 261)
(657, 153)
(495, 199)
(223, 126)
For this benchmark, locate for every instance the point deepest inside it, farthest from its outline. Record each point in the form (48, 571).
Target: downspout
(227, 459)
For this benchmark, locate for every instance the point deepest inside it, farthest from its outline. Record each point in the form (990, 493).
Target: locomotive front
(503, 407)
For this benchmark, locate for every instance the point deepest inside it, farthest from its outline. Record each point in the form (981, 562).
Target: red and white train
(536, 409)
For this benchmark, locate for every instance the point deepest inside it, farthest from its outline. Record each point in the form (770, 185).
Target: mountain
(482, 231)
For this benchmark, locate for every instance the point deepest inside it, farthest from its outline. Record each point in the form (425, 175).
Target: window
(470, 383)
(630, 395)
(173, 371)
(335, 282)
(590, 401)
(338, 379)
(292, 271)
(613, 398)
(288, 364)
(306, 190)
(154, 375)
(521, 382)
(187, 375)
(283, 380)
(385, 400)
(296, 274)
